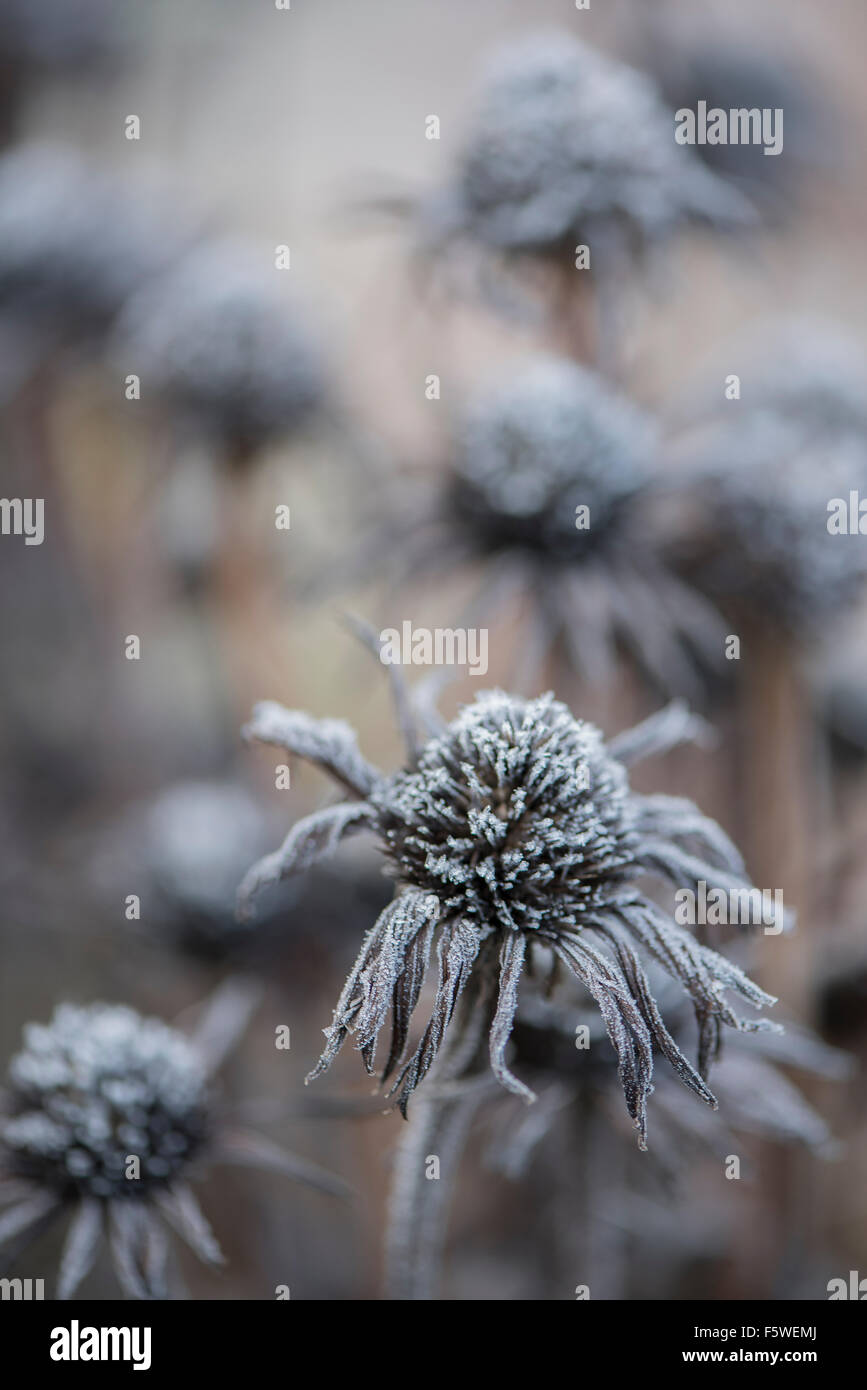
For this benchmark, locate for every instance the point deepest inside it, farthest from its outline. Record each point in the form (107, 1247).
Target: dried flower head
(232, 358)
(548, 490)
(536, 446)
(569, 146)
(111, 1114)
(762, 477)
(74, 242)
(514, 839)
(194, 842)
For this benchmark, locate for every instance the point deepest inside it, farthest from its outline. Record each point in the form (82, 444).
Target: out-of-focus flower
(547, 490)
(762, 472)
(571, 147)
(194, 842)
(74, 242)
(109, 1115)
(516, 841)
(66, 34)
(234, 360)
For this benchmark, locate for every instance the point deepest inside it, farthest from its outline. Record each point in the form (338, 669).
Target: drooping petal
(659, 733)
(128, 1238)
(369, 989)
(223, 1020)
(678, 818)
(704, 974)
(640, 986)
(27, 1215)
(329, 743)
(243, 1147)
(405, 994)
(185, 1216)
(624, 1024)
(313, 839)
(80, 1247)
(457, 950)
(410, 917)
(156, 1254)
(512, 953)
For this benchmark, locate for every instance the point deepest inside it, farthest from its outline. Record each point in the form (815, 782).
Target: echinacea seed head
(96, 1086)
(515, 816)
(568, 144)
(548, 439)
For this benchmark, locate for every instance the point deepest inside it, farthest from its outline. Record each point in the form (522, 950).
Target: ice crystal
(514, 831)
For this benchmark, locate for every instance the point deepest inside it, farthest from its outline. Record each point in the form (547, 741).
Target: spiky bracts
(515, 833)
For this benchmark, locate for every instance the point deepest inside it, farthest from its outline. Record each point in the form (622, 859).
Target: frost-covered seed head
(549, 438)
(94, 1086)
(567, 141)
(516, 815)
(60, 33)
(771, 513)
(513, 831)
(74, 243)
(212, 336)
(765, 474)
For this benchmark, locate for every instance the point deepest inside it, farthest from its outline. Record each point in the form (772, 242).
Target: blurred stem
(440, 1119)
(776, 772)
(574, 316)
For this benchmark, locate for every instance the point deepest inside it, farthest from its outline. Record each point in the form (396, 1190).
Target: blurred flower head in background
(760, 473)
(546, 491)
(234, 361)
(569, 146)
(110, 1114)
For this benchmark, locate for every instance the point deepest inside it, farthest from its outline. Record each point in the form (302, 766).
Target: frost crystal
(517, 815)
